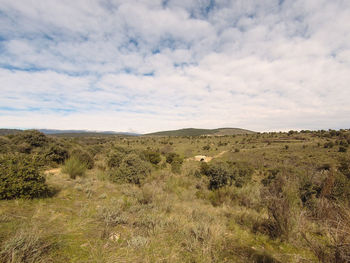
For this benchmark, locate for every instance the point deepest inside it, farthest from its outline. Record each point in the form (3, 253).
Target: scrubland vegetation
(269, 197)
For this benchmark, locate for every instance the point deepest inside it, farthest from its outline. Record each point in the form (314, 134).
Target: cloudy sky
(148, 65)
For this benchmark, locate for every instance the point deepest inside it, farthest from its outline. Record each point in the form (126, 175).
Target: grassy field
(269, 197)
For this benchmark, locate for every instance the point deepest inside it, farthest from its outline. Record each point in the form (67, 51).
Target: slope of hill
(199, 132)
(70, 133)
(9, 131)
(75, 133)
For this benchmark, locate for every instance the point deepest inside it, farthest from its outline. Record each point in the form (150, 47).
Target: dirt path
(203, 158)
(220, 154)
(53, 171)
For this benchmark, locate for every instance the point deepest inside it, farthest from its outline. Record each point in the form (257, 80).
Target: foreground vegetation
(270, 197)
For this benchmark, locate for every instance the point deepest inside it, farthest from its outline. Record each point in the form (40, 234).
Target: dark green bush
(270, 176)
(206, 147)
(308, 191)
(56, 153)
(328, 145)
(83, 156)
(20, 178)
(341, 188)
(4, 144)
(219, 175)
(170, 157)
(24, 147)
(132, 169)
(33, 137)
(175, 160)
(223, 173)
(342, 149)
(114, 159)
(152, 156)
(344, 167)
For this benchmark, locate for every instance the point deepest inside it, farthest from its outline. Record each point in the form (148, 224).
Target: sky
(150, 65)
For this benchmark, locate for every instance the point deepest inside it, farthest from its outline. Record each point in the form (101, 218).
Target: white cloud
(150, 65)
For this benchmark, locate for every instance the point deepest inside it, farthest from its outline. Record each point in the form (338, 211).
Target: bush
(340, 190)
(170, 157)
(328, 145)
(281, 204)
(114, 159)
(175, 160)
(33, 137)
(152, 156)
(56, 154)
(222, 173)
(219, 175)
(344, 167)
(206, 147)
(176, 164)
(83, 157)
(4, 144)
(20, 178)
(131, 170)
(74, 167)
(342, 149)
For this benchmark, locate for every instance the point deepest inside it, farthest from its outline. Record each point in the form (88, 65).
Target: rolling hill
(199, 132)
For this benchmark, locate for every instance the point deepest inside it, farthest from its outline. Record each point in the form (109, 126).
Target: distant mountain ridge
(180, 132)
(68, 132)
(52, 131)
(200, 132)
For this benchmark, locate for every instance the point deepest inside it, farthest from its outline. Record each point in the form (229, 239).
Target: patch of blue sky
(30, 68)
(185, 64)
(155, 51)
(165, 3)
(12, 109)
(63, 110)
(148, 74)
(169, 42)
(209, 7)
(143, 111)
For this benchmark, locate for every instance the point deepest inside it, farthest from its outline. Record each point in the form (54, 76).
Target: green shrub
(223, 173)
(328, 145)
(114, 159)
(33, 137)
(20, 178)
(74, 167)
(341, 188)
(175, 160)
(170, 157)
(152, 156)
(342, 149)
(219, 175)
(344, 167)
(206, 147)
(176, 164)
(131, 170)
(4, 144)
(281, 202)
(83, 157)
(56, 153)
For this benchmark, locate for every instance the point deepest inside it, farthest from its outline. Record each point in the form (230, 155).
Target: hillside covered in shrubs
(260, 197)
